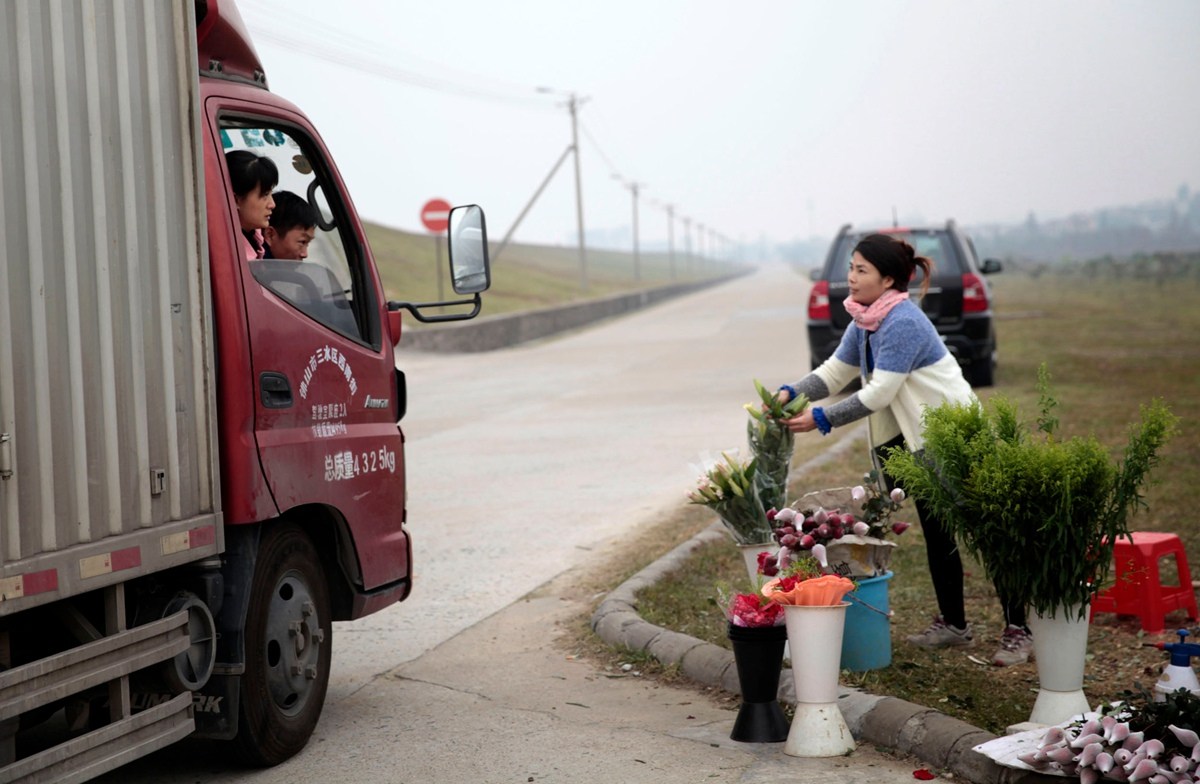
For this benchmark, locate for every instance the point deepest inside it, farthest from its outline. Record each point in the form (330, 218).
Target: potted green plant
(1040, 513)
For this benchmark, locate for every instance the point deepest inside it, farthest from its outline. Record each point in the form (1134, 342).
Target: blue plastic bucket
(867, 639)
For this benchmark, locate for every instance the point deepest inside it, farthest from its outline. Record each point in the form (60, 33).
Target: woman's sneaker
(941, 635)
(1016, 647)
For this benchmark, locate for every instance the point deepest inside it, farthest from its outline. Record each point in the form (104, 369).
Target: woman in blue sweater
(904, 367)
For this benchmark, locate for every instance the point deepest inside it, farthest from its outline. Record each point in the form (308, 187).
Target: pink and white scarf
(868, 317)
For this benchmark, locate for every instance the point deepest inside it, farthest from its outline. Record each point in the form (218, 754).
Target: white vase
(750, 556)
(1060, 652)
(815, 637)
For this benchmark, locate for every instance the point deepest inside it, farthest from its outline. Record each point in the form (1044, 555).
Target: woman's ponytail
(895, 258)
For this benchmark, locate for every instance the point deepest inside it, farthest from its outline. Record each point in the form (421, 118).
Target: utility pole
(573, 103)
(671, 238)
(687, 243)
(634, 187)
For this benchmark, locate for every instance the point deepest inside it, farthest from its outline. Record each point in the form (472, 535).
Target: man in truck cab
(292, 226)
(253, 177)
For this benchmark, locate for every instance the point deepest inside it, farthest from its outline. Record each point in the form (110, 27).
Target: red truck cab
(201, 461)
(309, 402)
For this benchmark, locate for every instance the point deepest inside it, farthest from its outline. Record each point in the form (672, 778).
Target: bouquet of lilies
(728, 488)
(771, 442)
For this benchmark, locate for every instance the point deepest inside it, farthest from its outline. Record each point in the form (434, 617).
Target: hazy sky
(769, 117)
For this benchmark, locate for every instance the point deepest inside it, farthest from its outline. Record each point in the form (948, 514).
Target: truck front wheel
(288, 644)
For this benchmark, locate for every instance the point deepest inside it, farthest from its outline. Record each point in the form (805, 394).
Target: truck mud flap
(107, 748)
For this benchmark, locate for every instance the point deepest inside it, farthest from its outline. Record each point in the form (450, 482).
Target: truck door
(323, 370)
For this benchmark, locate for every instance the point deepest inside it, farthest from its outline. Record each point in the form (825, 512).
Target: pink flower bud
(861, 529)
(1144, 770)
(858, 493)
(818, 552)
(899, 528)
(897, 495)
(1187, 737)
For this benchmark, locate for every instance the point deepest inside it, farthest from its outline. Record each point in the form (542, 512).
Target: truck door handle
(275, 390)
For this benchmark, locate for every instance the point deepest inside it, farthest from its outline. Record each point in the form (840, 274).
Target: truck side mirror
(470, 272)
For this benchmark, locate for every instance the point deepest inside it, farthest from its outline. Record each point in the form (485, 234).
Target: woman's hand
(782, 396)
(801, 424)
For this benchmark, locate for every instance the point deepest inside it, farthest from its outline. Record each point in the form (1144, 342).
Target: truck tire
(289, 638)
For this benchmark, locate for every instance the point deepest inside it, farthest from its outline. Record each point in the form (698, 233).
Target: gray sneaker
(1016, 647)
(941, 635)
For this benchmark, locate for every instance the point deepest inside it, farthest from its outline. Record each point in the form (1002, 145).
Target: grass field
(1112, 342)
(525, 277)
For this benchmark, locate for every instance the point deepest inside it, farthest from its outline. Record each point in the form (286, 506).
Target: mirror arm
(414, 309)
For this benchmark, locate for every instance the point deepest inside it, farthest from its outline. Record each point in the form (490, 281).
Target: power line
(611, 167)
(360, 54)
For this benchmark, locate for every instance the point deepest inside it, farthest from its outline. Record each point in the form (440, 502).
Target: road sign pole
(435, 215)
(437, 256)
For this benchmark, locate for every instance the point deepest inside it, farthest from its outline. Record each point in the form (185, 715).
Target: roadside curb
(943, 742)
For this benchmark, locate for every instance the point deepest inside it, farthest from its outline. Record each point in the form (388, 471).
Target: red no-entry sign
(436, 215)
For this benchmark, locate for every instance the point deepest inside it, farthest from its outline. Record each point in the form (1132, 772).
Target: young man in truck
(293, 224)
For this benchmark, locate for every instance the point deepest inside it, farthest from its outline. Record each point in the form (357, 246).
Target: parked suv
(959, 300)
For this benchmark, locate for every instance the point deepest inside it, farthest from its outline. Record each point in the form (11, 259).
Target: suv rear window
(934, 244)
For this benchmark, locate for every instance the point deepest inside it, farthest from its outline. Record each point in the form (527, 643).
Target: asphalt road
(521, 463)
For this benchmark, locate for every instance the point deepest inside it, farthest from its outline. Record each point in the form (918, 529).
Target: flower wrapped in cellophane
(771, 443)
(751, 610)
(727, 487)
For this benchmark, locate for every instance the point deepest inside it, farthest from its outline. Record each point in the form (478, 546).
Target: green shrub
(1040, 514)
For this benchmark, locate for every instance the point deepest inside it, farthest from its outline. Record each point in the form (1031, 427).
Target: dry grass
(524, 277)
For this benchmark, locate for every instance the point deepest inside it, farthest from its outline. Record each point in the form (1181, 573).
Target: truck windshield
(306, 261)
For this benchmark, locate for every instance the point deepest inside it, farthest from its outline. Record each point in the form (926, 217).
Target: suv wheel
(982, 372)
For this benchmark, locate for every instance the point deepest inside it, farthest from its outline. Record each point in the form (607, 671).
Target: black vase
(758, 653)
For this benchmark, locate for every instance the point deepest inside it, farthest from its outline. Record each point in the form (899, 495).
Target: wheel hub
(294, 637)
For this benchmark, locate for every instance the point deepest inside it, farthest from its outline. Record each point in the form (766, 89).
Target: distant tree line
(1152, 230)
(1161, 268)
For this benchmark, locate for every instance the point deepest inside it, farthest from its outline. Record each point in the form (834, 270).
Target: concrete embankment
(488, 333)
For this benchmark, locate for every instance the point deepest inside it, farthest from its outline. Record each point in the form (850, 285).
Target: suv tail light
(974, 294)
(818, 301)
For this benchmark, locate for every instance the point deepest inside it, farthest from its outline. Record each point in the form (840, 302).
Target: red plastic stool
(1139, 590)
